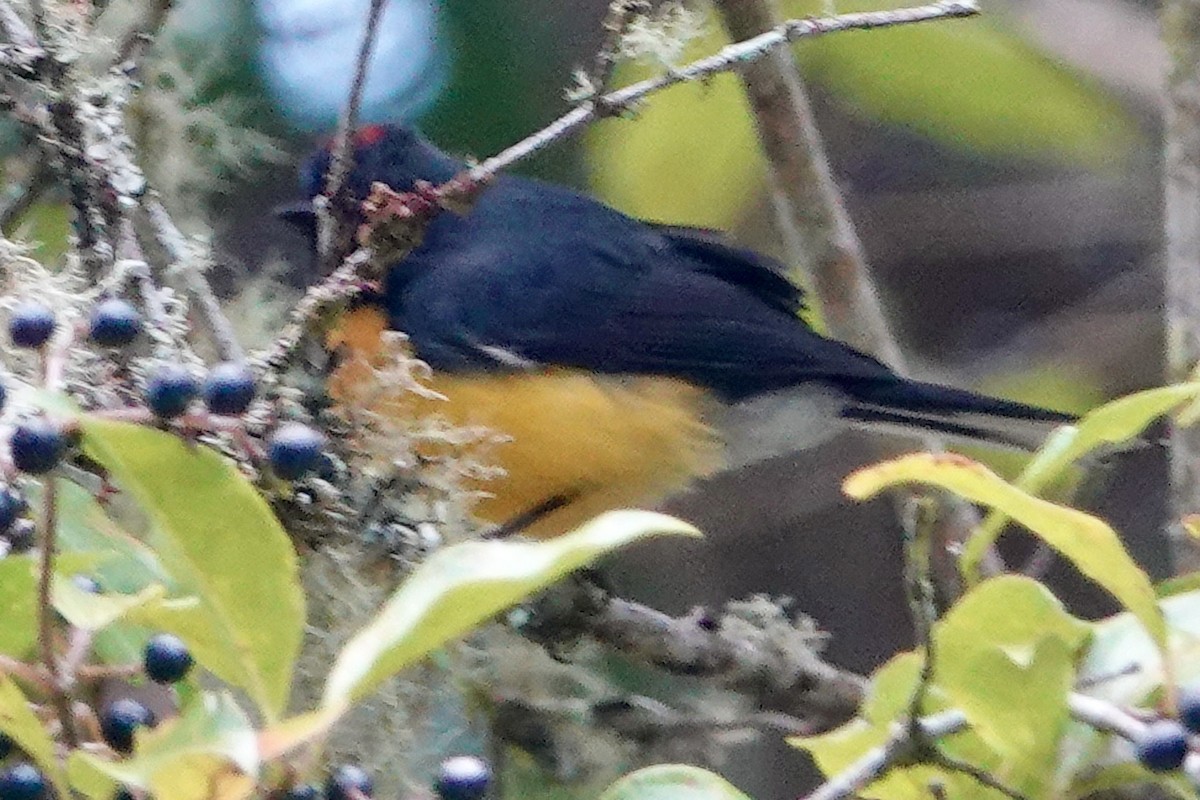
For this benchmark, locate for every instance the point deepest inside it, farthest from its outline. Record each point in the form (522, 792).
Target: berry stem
(58, 694)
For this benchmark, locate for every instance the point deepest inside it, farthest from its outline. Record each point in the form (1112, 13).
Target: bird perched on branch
(610, 349)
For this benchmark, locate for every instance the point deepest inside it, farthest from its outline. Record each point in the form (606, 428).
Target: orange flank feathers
(603, 442)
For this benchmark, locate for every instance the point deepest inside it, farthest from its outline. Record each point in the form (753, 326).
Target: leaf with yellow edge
(1114, 423)
(285, 736)
(462, 586)
(93, 612)
(213, 532)
(21, 725)
(1087, 542)
(210, 752)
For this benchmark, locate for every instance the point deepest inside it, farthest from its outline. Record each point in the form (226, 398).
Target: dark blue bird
(611, 349)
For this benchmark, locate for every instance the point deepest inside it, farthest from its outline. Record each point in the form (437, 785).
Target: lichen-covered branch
(748, 649)
(1181, 171)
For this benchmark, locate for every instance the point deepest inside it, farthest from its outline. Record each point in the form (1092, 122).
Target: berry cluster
(459, 778)
(166, 660)
(37, 445)
(15, 527)
(1165, 743)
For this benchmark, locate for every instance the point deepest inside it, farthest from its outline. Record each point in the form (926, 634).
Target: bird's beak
(300, 214)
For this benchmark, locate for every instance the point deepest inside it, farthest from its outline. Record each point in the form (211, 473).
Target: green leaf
(1012, 613)
(462, 586)
(21, 725)
(209, 751)
(85, 527)
(1087, 542)
(17, 597)
(95, 611)
(1114, 423)
(672, 782)
(1020, 710)
(1124, 666)
(970, 85)
(887, 703)
(216, 535)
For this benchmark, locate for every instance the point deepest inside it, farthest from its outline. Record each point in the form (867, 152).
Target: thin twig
(220, 330)
(876, 762)
(977, 774)
(616, 23)
(920, 521)
(423, 204)
(58, 695)
(727, 59)
(1181, 186)
(142, 34)
(336, 288)
(334, 225)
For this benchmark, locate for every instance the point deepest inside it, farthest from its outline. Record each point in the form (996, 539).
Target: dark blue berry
(22, 782)
(12, 506)
(170, 391)
(6, 746)
(294, 450)
(21, 536)
(1163, 746)
(1189, 708)
(124, 794)
(85, 584)
(463, 778)
(166, 658)
(31, 325)
(120, 719)
(228, 389)
(3, 395)
(303, 791)
(114, 323)
(348, 782)
(37, 445)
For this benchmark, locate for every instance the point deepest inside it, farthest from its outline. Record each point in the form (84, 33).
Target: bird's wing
(710, 252)
(537, 275)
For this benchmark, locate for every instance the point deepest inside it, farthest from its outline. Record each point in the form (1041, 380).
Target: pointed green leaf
(464, 585)
(85, 527)
(1020, 710)
(672, 782)
(1012, 613)
(1114, 423)
(216, 535)
(20, 724)
(1092, 546)
(211, 742)
(95, 611)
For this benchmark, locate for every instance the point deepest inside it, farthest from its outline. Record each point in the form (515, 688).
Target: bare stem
(334, 225)
(730, 58)
(58, 694)
(1181, 172)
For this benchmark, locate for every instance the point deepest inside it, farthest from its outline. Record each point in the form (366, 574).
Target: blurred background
(1003, 173)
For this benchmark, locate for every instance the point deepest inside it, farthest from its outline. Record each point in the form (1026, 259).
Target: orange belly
(604, 442)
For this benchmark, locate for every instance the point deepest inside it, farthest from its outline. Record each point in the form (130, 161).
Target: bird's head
(391, 154)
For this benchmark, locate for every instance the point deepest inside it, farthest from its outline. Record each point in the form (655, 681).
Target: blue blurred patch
(309, 48)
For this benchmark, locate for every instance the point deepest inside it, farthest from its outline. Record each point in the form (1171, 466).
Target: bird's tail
(912, 407)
